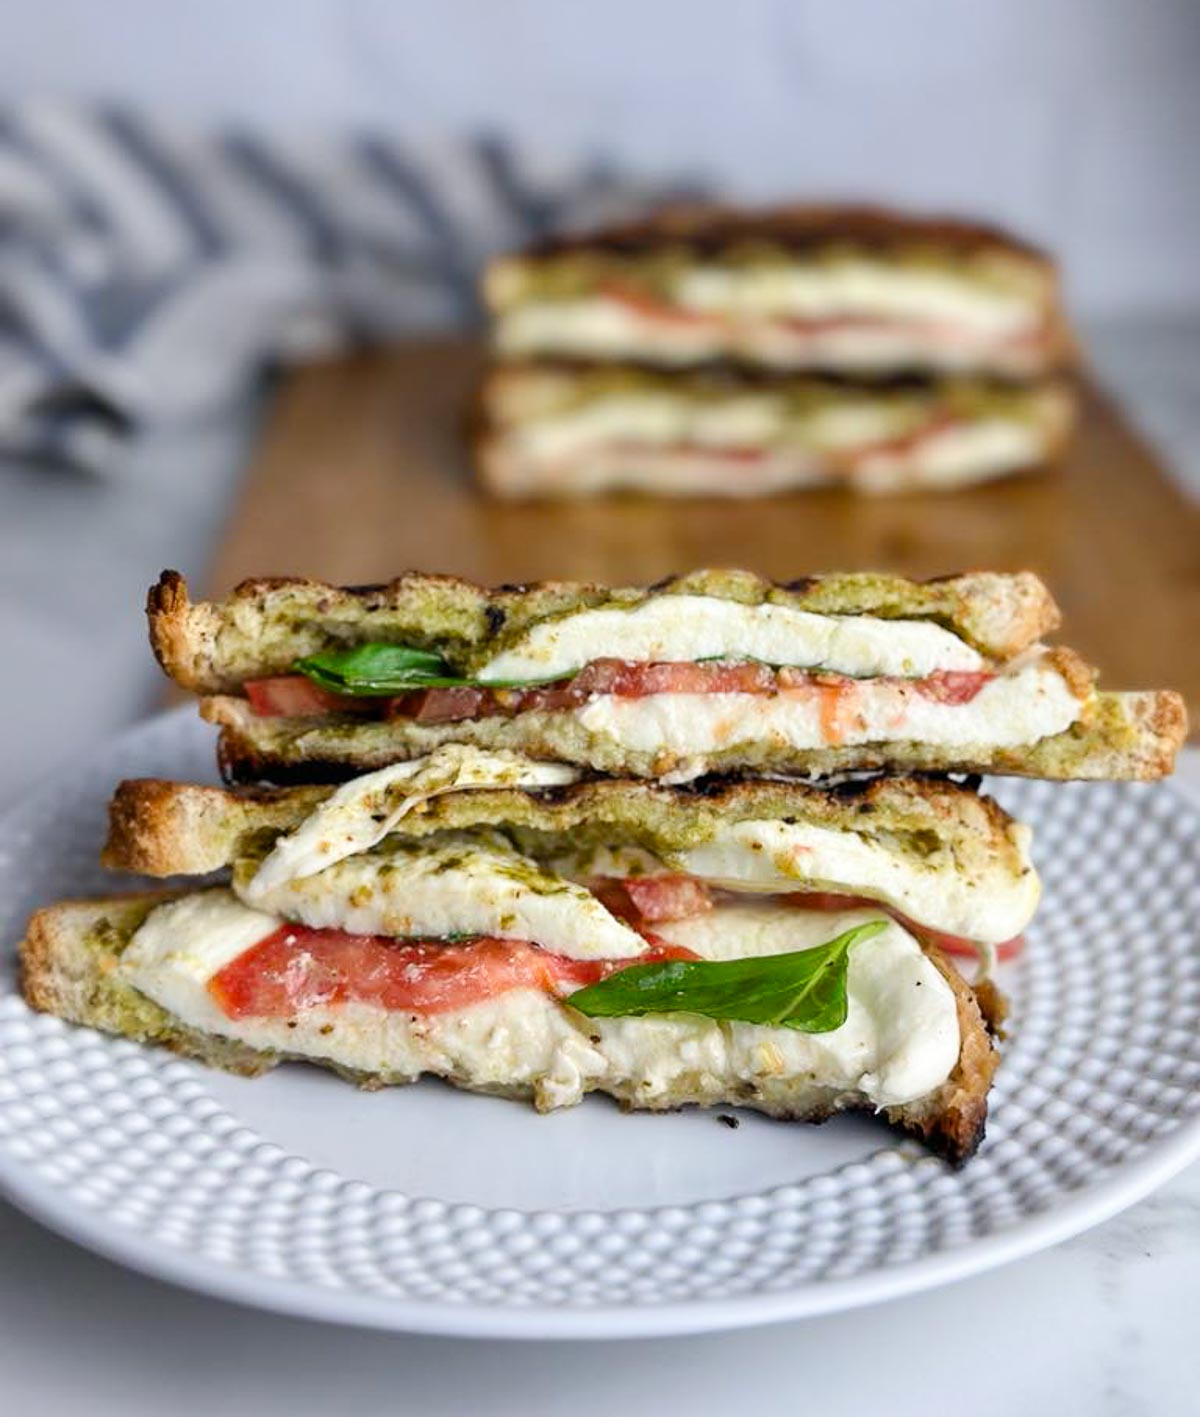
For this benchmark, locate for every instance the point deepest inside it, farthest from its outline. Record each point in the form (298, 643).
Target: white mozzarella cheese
(774, 856)
(654, 419)
(899, 1042)
(855, 289)
(365, 810)
(181, 945)
(1028, 702)
(900, 1039)
(461, 885)
(601, 328)
(685, 628)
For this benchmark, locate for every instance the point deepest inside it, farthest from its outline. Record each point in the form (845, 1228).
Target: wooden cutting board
(361, 473)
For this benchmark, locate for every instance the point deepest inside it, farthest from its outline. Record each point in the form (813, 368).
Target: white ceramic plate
(428, 1210)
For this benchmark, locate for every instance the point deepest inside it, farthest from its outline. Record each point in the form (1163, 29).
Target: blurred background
(1070, 119)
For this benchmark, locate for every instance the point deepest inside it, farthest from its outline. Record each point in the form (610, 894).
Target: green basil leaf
(804, 989)
(378, 670)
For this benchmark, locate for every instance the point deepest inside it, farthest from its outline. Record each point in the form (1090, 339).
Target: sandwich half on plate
(563, 430)
(844, 289)
(518, 929)
(714, 672)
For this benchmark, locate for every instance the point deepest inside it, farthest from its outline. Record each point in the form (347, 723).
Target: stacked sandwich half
(739, 354)
(551, 840)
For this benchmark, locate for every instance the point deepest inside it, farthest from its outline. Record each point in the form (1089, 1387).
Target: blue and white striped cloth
(148, 272)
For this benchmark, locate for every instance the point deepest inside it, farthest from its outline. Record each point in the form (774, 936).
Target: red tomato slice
(828, 900)
(649, 307)
(953, 686)
(948, 944)
(648, 899)
(438, 705)
(294, 696)
(296, 968)
(957, 945)
(635, 681)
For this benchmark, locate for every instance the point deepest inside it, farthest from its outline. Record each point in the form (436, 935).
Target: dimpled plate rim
(1082, 1200)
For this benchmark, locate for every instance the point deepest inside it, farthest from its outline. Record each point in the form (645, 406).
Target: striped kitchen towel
(149, 272)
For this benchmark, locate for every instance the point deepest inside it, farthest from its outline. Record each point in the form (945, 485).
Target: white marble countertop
(1102, 1326)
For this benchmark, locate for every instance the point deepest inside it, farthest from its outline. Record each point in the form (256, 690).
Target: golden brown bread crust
(1120, 737)
(267, 623)
(711, 230)
(162, 828)
(953, 1120)
(70, 952)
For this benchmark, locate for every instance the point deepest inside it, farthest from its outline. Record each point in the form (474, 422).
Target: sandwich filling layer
(345, 867)
(498, 1017)
(945, 456)
(840, 311)
(1026, 703)
(554, 433)
(694, 709)
(621, 324)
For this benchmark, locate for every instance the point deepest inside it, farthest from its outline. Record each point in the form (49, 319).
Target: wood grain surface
(362, 473)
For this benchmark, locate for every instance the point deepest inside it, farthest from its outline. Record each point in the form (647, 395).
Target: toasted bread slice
(709, 230)
(266, 624)
(1131, 736)
(69, 968)
(163, 828)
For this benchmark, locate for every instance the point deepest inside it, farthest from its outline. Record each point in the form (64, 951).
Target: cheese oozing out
(366, 809)
(1029, 701)
(458, 884)
(685, 628)
(900, 1040)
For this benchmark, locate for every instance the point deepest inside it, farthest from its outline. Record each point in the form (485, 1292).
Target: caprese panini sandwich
(515, 928)
(713, 672)
(562, 430)
(848, 290)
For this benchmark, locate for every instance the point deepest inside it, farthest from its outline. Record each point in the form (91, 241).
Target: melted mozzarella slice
(1028, 702)
(901, 1036)
(900, 1040)
(685, 628)
(775, 856)
(181, 945)
(365, 810)
(458, 885)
